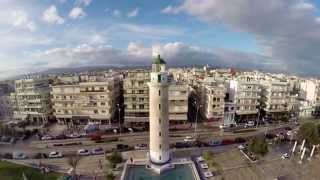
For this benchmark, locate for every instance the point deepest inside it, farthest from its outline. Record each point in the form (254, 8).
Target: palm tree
(73, 161)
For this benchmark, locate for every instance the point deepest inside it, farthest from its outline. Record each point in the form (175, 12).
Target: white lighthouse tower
(159, 115)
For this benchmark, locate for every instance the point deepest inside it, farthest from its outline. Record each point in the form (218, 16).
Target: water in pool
(180, 172)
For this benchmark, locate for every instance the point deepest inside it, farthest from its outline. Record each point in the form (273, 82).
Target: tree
(258, 146)
(73, 161)
(310, 132)
(110, 176)
(115, 158)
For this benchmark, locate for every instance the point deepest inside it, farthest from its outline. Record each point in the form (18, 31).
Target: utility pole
(119, 118)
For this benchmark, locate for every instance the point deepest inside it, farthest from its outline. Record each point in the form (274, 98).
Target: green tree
(310, 132)
(258, 146)
(110, 176)
(73, 161)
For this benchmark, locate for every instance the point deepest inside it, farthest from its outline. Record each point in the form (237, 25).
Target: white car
(46, 137)
(241, 147)
(18, 155)
(223, 126)
(97, 151)
(249, 124)
(83, 152)
(208, 174)
(285, 156)
(74, 135)
(140, 146)
(189, 139)
(55, 154)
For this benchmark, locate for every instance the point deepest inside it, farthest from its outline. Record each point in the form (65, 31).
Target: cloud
(133, 13)
(287, 31)
(76, 13)
(116, 13)
(170, 10)
(83, 2)
(175, 53)
(51, 16)
(21, 19)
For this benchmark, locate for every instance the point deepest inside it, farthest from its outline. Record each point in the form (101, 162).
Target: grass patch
(10, 171)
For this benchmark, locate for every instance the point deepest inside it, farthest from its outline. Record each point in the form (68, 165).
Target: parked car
(19, 155)
(284, 156)
(239, 140)
(74, 135)
(140, 146)
(46, 137)
(83, 152)
(189, 139)
(55, 154)
(13, 140)
(215, 142)
(97, 151)
(241, 147)
(249, 124)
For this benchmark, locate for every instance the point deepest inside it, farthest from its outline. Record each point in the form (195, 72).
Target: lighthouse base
(159, 168)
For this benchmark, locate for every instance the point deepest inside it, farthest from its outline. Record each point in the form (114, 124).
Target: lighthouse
(159, 153)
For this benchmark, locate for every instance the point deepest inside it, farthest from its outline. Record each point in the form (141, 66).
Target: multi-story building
(212, 101)
(274, 100)
(178, 102)
(31, 100)
(245, 93)
(136, 97)
(85, 99)
(5, 108)
(310, 92)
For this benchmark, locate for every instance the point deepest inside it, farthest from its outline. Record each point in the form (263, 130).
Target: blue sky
(278, 35)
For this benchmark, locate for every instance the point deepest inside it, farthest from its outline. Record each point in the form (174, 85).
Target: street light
(195, 127)
(118, 105)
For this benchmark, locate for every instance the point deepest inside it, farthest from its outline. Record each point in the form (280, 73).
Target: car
(55, 154)
(223, 126)
(249, 124)
(241, 147)
(74, 135)
(189, 139)
(46, 137)
(97, 151)
(140, 146)
(13, 140)
(83, 152)
(284, 156)
(19, 155)
(215, 142)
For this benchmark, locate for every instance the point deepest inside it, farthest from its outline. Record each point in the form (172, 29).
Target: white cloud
(51, 16)
(21, 19)
(170, 10)
(116, 13)
(83, 2)
(287, 30)
(133, 13)
(76, 13)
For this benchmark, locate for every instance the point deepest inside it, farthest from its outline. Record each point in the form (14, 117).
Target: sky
(273, 35)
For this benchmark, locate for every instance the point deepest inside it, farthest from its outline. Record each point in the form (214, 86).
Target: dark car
(239, 140)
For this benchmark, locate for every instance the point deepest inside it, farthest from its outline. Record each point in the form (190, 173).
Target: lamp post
(119, 121)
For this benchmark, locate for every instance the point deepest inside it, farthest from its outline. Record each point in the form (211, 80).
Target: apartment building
(136, 97)
(274, 100)
(244, 92)
(5, 108)
(310, 92)
(213, 101)
(86, 98)
(178, 102)
(31, 100)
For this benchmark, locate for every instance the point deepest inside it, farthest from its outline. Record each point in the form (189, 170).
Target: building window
(96, 111)
(103, 104)
(141, 106)
(159, 121)
(159, 93)
(101, 88)
(159, 157)
(160, 147)
(160, 134)
(134, 106)
(159, 106)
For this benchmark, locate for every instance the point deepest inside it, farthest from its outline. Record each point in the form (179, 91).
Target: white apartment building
(136, 99)
(31, 100)
(310, 92)
(178, 102)
(274, 100)
(91, 99)
(212, 101)
(245, 93)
